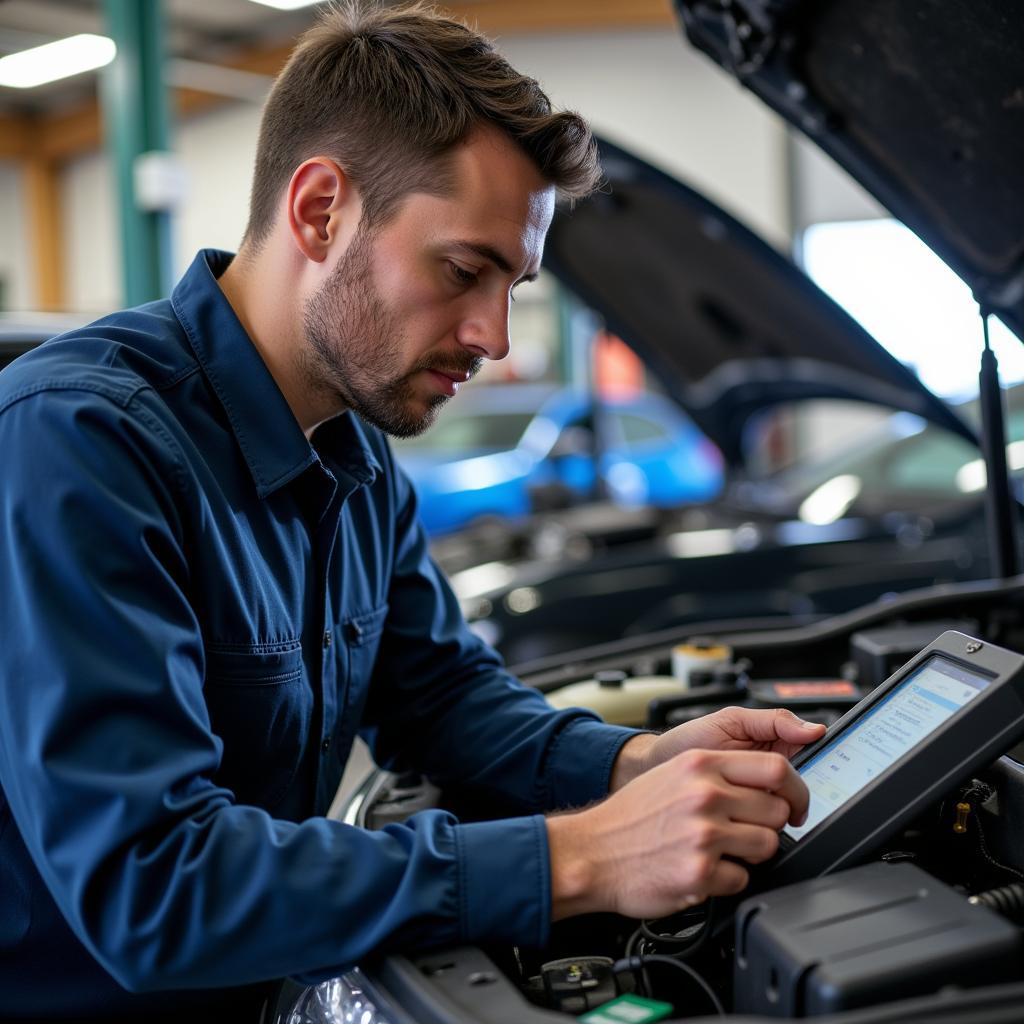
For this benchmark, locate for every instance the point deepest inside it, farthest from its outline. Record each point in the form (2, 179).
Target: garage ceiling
(217, 32)
(198, 30)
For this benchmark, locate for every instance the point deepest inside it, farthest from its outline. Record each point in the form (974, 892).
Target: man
(213, 578)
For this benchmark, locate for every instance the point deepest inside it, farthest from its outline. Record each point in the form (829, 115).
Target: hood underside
(729, 325)
(922, 101)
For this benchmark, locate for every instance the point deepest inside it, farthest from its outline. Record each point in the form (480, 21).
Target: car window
(930, 463)
(801, 444)
(483, 429)
(938, 461)
(638, 430)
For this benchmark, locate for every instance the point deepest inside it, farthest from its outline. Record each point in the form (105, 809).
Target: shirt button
(327, 639)
(326, 745)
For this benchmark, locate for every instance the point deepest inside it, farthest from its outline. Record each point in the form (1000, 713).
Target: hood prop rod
(1000, 504)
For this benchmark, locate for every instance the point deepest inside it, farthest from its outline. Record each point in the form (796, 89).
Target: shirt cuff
(581, 760)
(504, 881)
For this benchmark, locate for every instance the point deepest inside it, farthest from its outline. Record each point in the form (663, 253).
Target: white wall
(217, 150)
(15, 249)
(645, 89)
(92, 261)
(823, 191)
(652, 92)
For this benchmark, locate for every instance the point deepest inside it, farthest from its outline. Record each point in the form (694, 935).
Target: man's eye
(462, 275)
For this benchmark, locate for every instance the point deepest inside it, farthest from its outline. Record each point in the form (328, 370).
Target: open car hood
(729, 325)
(922, 101)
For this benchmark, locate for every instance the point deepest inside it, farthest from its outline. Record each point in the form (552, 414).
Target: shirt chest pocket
(362, 635)
(261, 708)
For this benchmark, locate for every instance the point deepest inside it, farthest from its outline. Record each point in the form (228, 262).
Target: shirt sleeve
(442, 702)
(107, 755)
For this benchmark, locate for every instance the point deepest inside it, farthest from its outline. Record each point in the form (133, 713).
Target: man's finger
(795, 730)
(727, 879)
(772, 772)
(752, 843)
(766, 726)
(756, 807)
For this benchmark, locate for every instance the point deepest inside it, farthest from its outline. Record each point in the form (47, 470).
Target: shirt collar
(269, 436)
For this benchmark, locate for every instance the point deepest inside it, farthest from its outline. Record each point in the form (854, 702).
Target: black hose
(636, 964)
(1008, 900)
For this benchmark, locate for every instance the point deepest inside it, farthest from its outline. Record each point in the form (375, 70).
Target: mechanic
(213, 578)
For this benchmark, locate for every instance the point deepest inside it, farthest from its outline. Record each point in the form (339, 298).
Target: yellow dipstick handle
(960, 825)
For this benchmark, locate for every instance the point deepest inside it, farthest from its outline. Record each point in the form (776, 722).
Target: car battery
(862, 937)
(816, 700)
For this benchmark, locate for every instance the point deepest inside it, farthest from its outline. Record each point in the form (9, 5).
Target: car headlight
(348, 999)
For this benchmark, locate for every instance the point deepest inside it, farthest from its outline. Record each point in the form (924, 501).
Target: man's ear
(322, 207)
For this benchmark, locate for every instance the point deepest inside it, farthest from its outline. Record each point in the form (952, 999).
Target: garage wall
(652, 92)
(93, 249)
(15, 255)
(216, 150)
(645, 89)
(823, 191)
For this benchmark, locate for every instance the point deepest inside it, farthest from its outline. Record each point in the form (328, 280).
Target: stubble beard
(354, 344)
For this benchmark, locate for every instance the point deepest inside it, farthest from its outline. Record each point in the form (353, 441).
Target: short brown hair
(388, 92)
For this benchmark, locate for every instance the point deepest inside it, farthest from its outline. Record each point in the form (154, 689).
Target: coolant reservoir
(617, 698)
(696, 656)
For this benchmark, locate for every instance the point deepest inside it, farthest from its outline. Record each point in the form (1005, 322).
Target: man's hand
(778, 731)
(660, 844)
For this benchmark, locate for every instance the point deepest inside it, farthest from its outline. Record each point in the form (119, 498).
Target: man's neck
(267, 307)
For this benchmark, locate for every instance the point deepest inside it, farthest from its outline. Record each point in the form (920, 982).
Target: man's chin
(408, 421)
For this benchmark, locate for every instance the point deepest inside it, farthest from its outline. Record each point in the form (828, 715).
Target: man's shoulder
(113, 358)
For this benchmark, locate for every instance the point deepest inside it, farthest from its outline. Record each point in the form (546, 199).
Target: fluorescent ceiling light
(61, 59)
(287, 5)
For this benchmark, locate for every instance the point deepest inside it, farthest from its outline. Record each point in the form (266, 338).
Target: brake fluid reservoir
(617, 698)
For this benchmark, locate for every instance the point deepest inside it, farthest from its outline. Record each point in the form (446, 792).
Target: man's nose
(485, 332)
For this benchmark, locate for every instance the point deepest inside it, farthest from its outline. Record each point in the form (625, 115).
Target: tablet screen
(930, 695)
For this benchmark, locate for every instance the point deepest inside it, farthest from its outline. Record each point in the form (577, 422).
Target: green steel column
(566, 361)
(577, 326)
(135, 117)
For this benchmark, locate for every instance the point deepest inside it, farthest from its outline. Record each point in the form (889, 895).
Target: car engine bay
(927, 928)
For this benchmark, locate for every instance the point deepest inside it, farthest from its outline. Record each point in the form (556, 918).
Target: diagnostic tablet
(952, 709)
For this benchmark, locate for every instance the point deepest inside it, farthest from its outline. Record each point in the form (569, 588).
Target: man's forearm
(631, 761)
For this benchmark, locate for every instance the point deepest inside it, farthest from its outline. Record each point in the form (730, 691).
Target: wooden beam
(15, 137)
(43, 204)
(531, 16)
(63, 136)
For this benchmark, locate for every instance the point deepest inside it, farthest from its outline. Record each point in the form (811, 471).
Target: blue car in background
(507, 450)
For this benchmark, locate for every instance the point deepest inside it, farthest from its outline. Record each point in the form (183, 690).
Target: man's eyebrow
(488, 252)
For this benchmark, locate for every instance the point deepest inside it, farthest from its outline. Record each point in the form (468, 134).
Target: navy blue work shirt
(199, 610)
